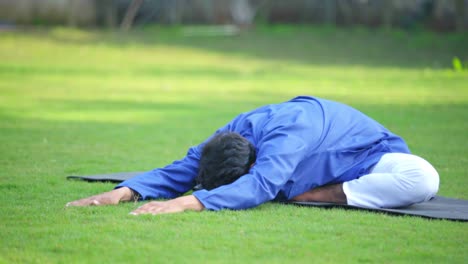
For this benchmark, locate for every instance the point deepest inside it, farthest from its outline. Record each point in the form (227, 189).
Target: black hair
(224, 159)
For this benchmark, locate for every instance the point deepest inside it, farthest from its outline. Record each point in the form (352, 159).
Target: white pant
(397, 180)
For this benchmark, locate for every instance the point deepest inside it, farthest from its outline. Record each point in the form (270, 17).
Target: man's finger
(83, 202)
(75, 203)
(156, 207)
(149, 208)
(143, 209)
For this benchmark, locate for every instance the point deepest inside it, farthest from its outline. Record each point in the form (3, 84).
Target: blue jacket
(301, 144)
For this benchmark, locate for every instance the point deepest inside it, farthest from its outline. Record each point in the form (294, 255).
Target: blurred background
(437, 15)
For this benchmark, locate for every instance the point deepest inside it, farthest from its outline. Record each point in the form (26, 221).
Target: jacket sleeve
(279, 151)
(173, 180)
(168, 182)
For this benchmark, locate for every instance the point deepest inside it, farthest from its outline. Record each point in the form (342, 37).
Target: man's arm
(167, 182)
(126, 194)
(113, 197)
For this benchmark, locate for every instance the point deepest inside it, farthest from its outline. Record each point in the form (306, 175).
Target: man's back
(309, 142)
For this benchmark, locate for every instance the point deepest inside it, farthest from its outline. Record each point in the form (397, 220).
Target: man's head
(224, 159)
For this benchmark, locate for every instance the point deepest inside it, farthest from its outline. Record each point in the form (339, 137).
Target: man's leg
(397, 180)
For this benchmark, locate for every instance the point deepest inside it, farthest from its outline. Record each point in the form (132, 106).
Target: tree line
(443, 15)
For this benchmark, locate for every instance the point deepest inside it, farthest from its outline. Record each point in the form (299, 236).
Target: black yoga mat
(110, 177)
(437, 208)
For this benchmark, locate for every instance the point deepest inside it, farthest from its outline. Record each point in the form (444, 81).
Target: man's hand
(177, 205)
(107, 198)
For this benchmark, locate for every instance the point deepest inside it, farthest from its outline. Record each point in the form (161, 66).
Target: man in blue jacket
(306, 149)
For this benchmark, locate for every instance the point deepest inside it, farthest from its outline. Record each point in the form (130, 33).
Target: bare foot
(329, 194)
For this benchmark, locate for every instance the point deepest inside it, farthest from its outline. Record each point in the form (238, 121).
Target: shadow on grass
(319, 46)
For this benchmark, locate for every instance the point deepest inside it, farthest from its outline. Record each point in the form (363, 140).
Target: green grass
(86, 102)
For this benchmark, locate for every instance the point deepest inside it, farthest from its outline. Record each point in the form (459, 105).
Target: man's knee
(420, 180)
(428, 184)
(417, 177)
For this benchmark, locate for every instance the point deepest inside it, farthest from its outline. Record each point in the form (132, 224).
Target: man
(306, 149)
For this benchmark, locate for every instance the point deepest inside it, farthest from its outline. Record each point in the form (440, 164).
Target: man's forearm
(126, 194)
(190, 202)
(115, 196)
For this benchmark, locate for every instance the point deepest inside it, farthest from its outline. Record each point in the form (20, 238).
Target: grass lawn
(88, 102)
